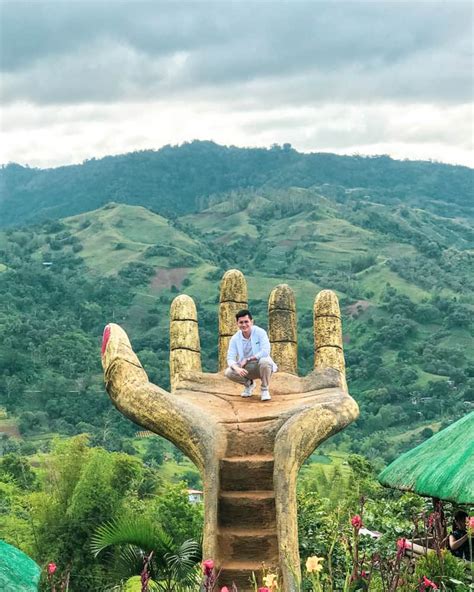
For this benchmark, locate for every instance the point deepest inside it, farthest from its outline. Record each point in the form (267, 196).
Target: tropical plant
(146, 548)
(443, 568)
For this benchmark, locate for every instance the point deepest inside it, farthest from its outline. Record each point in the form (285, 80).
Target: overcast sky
(83, 78)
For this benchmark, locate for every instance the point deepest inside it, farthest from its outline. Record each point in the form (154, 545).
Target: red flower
(207, 567)
(429, 584)
(52, 567)
(364, 574)
(356, 521)
(432, 519)
(402, 544)
(225, 589)
(264, 590)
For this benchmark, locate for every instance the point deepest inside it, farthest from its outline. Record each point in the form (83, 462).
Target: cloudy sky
(83, 78)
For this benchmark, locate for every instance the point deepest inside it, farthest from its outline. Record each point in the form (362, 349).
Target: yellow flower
(271, 581)
(314, 564)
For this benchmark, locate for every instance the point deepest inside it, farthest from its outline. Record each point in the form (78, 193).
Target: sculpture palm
(248, 452)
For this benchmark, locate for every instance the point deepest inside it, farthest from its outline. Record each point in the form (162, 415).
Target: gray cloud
(281, 52)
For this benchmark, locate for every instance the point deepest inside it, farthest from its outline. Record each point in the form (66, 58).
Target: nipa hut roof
(441, 467)
(18, 572)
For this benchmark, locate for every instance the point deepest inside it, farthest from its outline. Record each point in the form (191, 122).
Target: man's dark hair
(243, 313)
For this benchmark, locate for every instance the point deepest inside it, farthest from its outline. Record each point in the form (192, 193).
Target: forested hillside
(401, 261)
(118, 239)
(180, 179)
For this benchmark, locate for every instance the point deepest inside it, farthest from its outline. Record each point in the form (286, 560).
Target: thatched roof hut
(442, 467)
(18, 572)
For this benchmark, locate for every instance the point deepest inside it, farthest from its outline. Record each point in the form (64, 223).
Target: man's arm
(232, 357)
(232, 354)
(264, 350)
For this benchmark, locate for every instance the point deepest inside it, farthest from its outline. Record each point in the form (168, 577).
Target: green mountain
(180, 179)
(403, 269)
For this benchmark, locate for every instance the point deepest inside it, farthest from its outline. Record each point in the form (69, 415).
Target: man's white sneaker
(265, 395)
(248, 390)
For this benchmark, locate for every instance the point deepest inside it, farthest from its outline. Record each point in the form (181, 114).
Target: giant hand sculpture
(248, 452)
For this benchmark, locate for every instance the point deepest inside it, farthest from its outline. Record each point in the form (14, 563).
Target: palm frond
(128, 561)
(182, 562)
(136, 531)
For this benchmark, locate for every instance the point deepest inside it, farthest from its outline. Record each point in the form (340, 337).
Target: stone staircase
(247, 536)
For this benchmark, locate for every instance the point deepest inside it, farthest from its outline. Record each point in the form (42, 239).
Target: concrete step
(249, 544)
(247, 509)
(251, 438)
(242, 573)
(245, 473)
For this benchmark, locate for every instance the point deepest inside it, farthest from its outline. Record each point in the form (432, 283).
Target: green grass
(459, 338)
(425, 377)
(338, 459)
(376, 278)
(201, 287)
(133, 229)
(172, 472)
(407, 434)
(9, 426)
(261, 286)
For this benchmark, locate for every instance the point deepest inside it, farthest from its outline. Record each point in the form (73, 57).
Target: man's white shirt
(260, 347)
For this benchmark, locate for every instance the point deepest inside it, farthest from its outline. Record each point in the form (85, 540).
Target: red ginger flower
(225, 589)
(432, 519)
(428, 584)
(207, 567)
(356, 521)
(402, 544)
(52, 567)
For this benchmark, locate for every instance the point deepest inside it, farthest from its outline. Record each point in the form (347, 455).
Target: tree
(172, 508)
(19, 469)
(155, 451)
(86, 486)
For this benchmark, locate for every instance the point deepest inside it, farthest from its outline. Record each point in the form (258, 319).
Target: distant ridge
(178, 179)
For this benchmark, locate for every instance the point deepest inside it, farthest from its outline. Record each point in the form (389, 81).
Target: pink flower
(470, 522)
(225, 589)
(364, 574)
(52, 567)
(207, 567)
(402, 544)
(264, 589)
(356, 521)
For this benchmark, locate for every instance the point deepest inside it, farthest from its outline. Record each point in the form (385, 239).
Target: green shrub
(442, 569)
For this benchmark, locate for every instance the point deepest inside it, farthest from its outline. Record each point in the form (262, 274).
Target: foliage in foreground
(80, 487)
(55, 515)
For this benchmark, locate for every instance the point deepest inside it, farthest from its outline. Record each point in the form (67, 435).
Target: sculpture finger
(150, 406)
(328, 350)
(282, 328)
(185, 348)
(119, 361)
(125, 378)
(233, 297)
